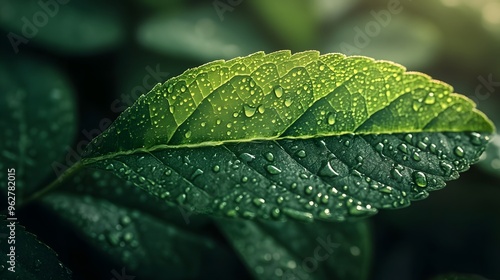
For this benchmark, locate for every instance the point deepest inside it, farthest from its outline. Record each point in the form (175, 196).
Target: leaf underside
(328, 178)
(302, 136)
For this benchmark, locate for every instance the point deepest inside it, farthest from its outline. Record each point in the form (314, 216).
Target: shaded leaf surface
(33, 259)
(303, 135)
(37, 119)
(294, 250)
(327, 178)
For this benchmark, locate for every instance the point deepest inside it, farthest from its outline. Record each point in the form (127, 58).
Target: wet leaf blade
(302, 136)
(330, 178)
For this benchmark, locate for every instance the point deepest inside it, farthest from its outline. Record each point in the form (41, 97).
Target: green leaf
(33, 260)
(130, 227)
(37, 119)
(307, 136)
(294, 250)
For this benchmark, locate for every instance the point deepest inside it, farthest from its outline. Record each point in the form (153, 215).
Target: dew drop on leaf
(420, 179)
(269, 157)
(278, 91)
(246, 157)
(258, 201)
(430, 99)
(216, 168)
(331, 118)
(328, 171)
(249, 110)
(301, 154)
(459, 151)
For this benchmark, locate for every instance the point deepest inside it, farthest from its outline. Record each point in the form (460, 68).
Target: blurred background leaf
(296, 250)
(103, 50)
(38, 119)
(73, 27)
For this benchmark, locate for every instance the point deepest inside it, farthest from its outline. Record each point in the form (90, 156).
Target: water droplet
(196, 173)
(261, 109)
(181, 198)
(299, 215)
(275, 212)
(288, 102)
(416, 105)
(347, 143)
(379, 148)
(125, 220)
(331, 118)
(396, 175)
(246, 157)
(301, 154)
(403, 148)
(188, 134)
(421, 145)
(231, 213)
(113, 238)
(408, 138)
(325, 214)
(128, 237)
(416, 156)
(446, 167)
(249, 110)
(359, 210)
(386, 189)
(430, 99)
(258, 201)
(278, 91)
(459, 151)
(269, 157)
(216, 168)
(420, 179)
(308, 190)
(273, 170)
(328, 171)
(475, 138)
